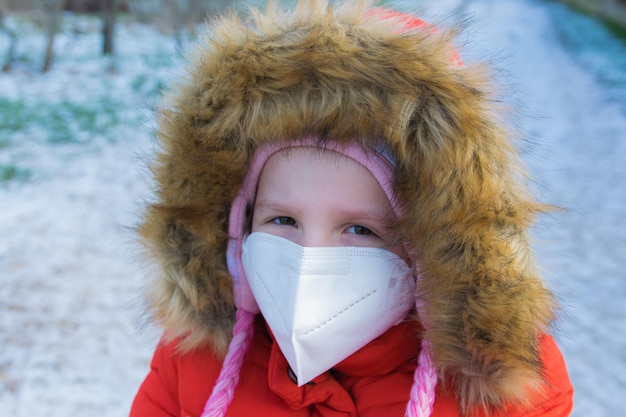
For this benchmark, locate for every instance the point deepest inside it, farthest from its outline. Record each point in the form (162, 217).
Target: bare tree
(8, 63)
(187, 14)
(108, 9)
(177, 20)
(184, 15)
(52, 21)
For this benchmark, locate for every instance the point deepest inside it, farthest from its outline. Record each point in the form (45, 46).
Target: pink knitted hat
(380, 164)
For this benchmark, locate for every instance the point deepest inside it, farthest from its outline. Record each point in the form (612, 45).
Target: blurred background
(79, 81)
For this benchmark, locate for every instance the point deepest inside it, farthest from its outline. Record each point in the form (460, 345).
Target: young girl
(341, 230)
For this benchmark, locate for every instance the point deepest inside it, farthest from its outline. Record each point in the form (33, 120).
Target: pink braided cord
(224, 389)
(424, 383)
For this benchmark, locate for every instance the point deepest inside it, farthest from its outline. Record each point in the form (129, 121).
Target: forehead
(304, 159)
(318, 175)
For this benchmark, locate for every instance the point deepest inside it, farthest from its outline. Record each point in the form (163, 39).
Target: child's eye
(360, 230)
(284, 221)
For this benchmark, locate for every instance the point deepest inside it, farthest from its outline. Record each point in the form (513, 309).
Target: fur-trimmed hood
(346, 73)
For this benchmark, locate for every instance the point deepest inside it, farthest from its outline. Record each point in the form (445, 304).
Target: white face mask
(325, 303)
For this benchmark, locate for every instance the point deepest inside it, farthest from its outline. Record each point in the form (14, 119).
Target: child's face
(321, 198)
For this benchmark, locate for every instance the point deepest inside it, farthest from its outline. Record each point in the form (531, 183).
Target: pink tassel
(224, 389)
(425, 381)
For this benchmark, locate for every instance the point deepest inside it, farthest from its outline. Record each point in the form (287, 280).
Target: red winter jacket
(373, 382)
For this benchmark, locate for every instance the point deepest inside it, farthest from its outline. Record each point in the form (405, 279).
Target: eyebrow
(269, 204)
(358, 213)
(387, 218)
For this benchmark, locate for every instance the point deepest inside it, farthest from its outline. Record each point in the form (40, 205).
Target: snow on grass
(72, 144)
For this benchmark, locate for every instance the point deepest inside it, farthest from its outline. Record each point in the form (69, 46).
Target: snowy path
(68, 328)
(71, 338)
(580, 164)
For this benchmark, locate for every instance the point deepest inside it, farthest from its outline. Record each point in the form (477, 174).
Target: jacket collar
(395, 348)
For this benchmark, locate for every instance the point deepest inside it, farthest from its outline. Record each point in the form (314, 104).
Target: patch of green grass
(147, 86)
(71, 123)
(600, 46)
(157, 60)
(618, 29)
(62, 122)
(13, 115)
(10, 173)
(592, 10)
(23, 124)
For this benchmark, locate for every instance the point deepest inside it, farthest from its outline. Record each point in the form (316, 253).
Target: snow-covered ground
(73, 340)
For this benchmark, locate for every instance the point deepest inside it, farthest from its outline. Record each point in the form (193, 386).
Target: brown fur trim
(337, 74)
